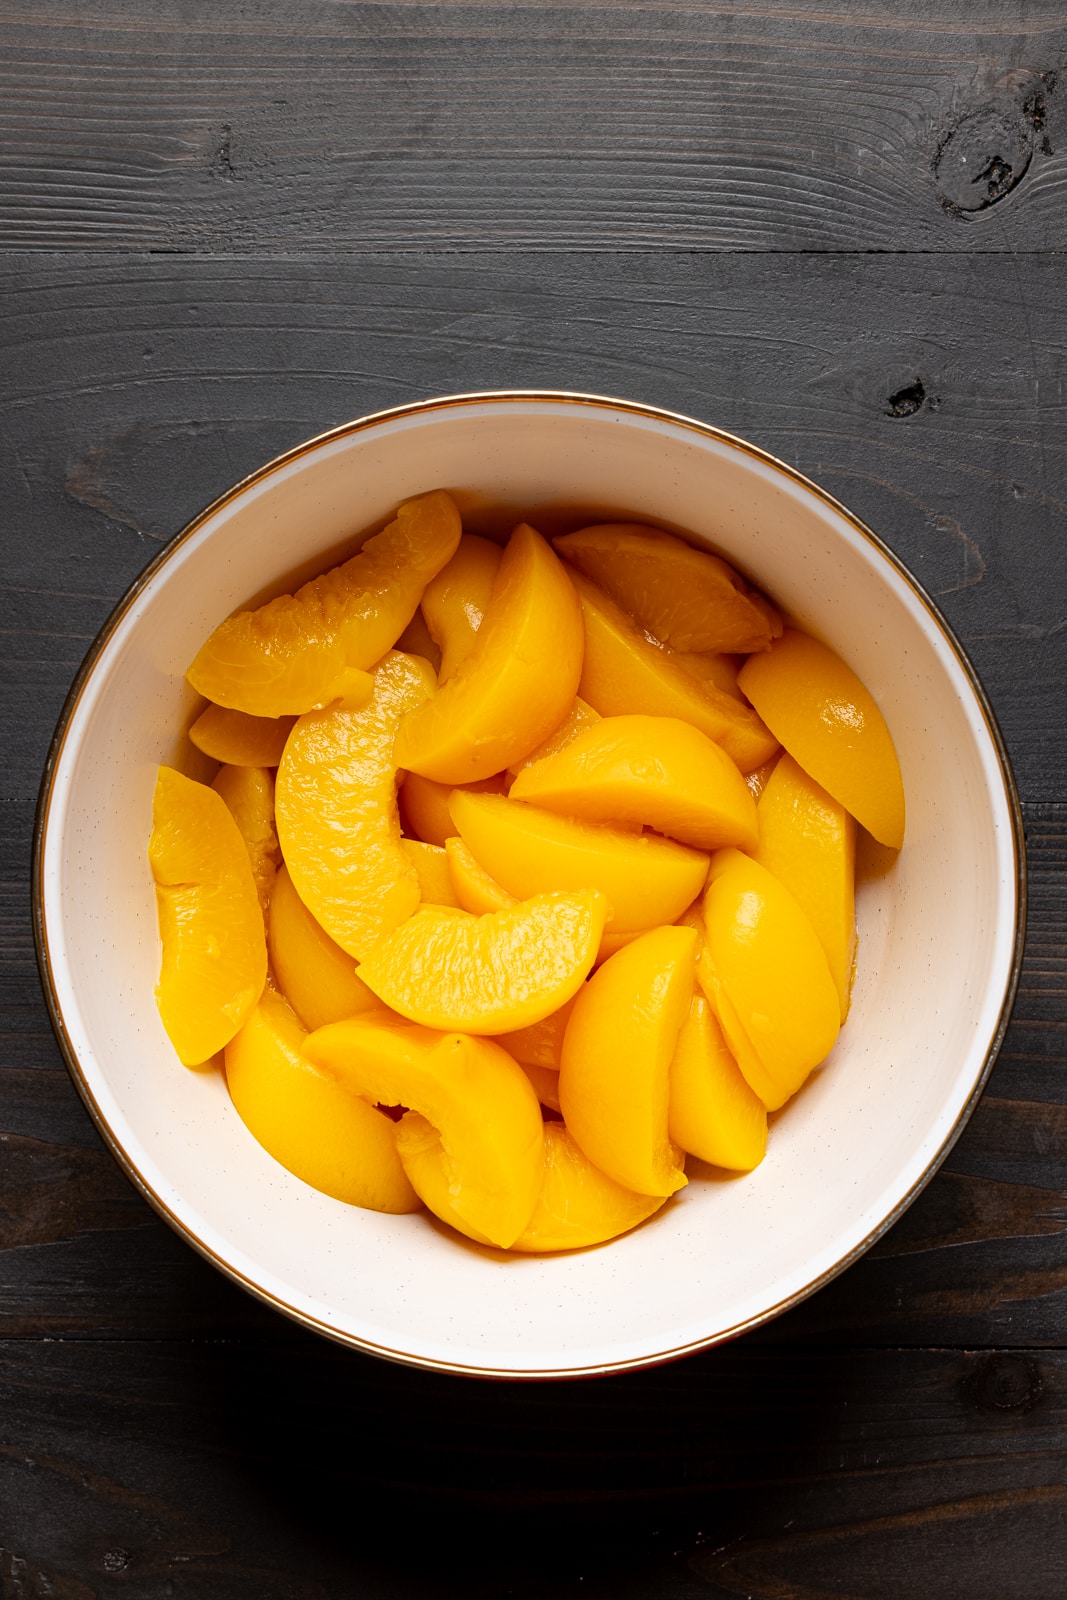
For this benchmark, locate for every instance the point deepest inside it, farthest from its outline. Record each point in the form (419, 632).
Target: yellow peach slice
(431, 865)
(239, 740)
(579, 717)
(210, 923)
(424, 805)
(710, 666)
(615, 1065)
(540, 1045)
(578, 1205)
(417, 641)
(473, 1131)
(455, 601)
(831, 727)
(766, 977)
(475, 890)
(302, 1116)
(714, 1115)
(337, 814)
(757, 781)
(689, 598)
(249, 794)
(647, 880)
(516, 682)
(658, 771)
(315, 975)
(808, 841)
(490, 974)
(290, 655)
(545, 1084)
(623, 672)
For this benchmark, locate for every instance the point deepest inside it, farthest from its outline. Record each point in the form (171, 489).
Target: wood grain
(140, 389)
(605, 126)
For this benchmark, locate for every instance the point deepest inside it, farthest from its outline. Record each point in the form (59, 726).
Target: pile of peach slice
(527, 872)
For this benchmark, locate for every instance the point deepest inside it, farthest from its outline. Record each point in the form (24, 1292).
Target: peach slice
(417, 641)
(424, 805)
(431, 865)
(473, 1133)
(540, 1045)
(578, 1205)
(623, 672)
(710, 666)
(475, 890)
(579, 717)
(689, 598)
(617, 1052)
(658, 771)
(490, 974)
(455, 601)
(239, 740)
(831, 726)
(517, 681)
(210, 922)
(713, 1113)
(290, 655)
(647, 880)
(766, 977)
(249, 794)
(545, 1084)
(337, 813)
(302, 1116)
(316, 976)
(808, 841)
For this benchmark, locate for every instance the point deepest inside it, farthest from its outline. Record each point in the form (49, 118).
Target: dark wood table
(834, 229)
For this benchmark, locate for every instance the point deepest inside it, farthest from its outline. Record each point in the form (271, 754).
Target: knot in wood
(905, 402)
(983, 157)
(1005, 1383)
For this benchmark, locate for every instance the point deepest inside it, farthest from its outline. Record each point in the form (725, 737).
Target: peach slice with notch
(211, 926)
(293, 654)
(315, 975)
(516, 682)
(616, 1059)
(691, 599)
(624, 673)
(657, 771)
(309, 1121)
(473, 1131)
(337, 810)
(829, 723)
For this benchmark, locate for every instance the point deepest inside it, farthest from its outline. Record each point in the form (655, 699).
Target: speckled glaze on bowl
(940, 929)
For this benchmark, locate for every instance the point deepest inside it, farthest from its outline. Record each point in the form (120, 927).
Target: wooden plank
(980, 1259)
(133, 391)
(302, 1470)
(738, 125)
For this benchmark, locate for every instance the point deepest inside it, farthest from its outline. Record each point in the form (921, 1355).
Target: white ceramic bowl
(940, 931)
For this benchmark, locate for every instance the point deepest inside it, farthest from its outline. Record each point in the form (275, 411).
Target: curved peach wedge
(714, 1115)
(315, 975)
(808, 841)
(249, 795)
(431, 867)
(579, 717)
(578, 1205)
(290, 655)
(766, 977)
(516, 682)
(616, 1059)
(489, 974)
(337, 812)
(473, 1131)
(210, 923)
(455, 601)
(240, 740)
(623, 672)
(424, 805)
(689, 598)
(475, 890)
(658, 771)
(302, 1116)
(831, 727)
(528, 851)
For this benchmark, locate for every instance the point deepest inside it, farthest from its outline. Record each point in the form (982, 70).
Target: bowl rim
(69, 712)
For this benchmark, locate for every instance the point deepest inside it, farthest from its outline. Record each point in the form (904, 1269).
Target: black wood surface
(834, 228)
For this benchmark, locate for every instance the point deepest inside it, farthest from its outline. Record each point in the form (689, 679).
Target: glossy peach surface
(454, 602)
(292, 655)
(238, 739)
(307, 1119)
(424, 805)
(577, 1204)
(516, 682)
(315, 975)
(210, 923)
(713, 1113)
(829, 723)
(249, 796)
(615, 1065)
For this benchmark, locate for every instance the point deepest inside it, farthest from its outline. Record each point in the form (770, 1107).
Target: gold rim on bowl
(69, 711)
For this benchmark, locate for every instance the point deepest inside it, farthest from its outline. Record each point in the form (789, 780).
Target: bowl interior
(937, 926)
